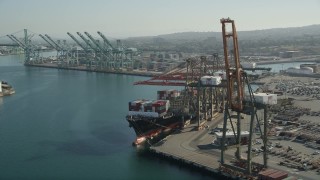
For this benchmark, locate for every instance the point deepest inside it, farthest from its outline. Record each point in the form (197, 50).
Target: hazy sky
(125, 18)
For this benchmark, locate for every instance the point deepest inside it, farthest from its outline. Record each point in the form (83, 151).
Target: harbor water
(64, 124)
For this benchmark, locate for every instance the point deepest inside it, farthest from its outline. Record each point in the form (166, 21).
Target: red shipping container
(264, 174)
(278, 175)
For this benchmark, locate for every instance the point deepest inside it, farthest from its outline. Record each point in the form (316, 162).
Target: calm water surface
(64, 124)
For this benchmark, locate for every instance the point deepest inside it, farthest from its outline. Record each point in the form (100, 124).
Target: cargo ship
(154, 119)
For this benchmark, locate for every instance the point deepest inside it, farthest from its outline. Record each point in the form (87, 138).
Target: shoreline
(149, 73)
(83, 68)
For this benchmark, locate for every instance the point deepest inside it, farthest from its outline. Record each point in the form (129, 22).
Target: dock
(84, 68)
(192, 147)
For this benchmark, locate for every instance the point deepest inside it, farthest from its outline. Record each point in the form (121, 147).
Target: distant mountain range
(274, 33)
(285, 38)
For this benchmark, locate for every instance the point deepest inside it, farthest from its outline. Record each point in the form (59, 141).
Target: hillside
(305, 39)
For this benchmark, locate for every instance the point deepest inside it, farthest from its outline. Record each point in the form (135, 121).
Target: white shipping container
(210, 80)
(264, 98)
(167, 104)
(145, 114)
(300, 71)
(248, 65)
(222, 74)
(134, 103)
(147, 103)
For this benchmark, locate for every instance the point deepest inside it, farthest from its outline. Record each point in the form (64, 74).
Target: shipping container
(167, 94)
(156, 106)
(222, 74)
(146, 114)
(278, 175)
(263, 98)
(263, 175)
(210, 80)
(248, 65)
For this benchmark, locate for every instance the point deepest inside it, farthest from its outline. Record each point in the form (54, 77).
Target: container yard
(293, 149)
(233, 132)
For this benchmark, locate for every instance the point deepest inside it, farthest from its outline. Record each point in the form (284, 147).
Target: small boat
(6, 89)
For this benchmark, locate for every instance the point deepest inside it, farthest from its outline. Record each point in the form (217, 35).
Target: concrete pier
(192, 147)
(84, 68)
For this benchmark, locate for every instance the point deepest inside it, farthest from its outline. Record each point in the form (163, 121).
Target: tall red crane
(236, 81)
(235, 74)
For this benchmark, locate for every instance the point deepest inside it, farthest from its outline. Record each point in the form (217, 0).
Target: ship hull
(150, 130)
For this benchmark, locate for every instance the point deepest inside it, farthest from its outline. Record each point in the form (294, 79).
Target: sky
(130, 18)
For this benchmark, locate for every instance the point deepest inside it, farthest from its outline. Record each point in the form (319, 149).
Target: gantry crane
(204, 102)
(115, 53)
(119, 54)
(57, 47)
(13, 38)
(63, 51)
(199, 100)
(236, 102)
(95, 49)
(31, 51)
(50, 43)
(78, 42)
(106, 41)
(105, 54)
(88, 52)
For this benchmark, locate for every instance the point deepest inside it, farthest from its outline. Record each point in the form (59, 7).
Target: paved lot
(196, 146)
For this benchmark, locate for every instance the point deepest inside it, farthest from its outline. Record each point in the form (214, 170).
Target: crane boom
(47, 41)
(235, 75)
(76, 40)
(55, 44)
(105, 39)
(13, 38)
(98, 45)
(94, 41)
(87, 41)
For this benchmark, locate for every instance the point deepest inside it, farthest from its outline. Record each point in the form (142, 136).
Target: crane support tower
(31, 51)
(235, 75)
(239, 103)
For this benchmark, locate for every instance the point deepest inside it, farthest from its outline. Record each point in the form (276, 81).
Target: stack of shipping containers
(167, 94)
(149, 108)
